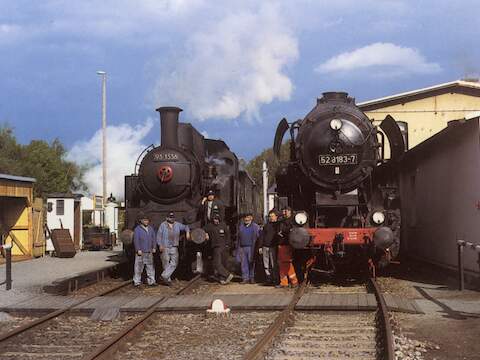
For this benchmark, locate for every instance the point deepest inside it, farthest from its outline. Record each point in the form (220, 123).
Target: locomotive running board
(281, 130)
(394, 135)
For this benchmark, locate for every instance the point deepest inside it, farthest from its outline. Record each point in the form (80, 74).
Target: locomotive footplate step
(355, 302)
(233, 301)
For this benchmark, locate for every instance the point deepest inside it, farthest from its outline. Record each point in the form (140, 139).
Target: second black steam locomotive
(344, 192)
(176, 175)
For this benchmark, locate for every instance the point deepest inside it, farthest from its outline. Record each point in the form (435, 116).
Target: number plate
(165, 156)
(344, 159)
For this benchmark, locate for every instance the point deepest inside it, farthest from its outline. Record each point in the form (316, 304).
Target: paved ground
(29, 277)
(452, 318)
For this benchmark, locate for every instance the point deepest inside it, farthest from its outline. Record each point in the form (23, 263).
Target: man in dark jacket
(210, 206)
(285, 251)
(145, 247)
(219, 236)
(248, 234)
(270, 240)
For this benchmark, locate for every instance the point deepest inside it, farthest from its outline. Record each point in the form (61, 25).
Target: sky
(235, 67)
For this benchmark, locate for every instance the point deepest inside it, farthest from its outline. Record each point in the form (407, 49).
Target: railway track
(292, 334)
(327, 335)
(60, 335)
(107, 349)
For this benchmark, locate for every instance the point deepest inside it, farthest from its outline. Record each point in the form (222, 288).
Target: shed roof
(458, 86)
(63, 196)
(17, 178)
(450, 133)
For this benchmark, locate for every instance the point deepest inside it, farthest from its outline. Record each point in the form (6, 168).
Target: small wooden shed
(21, 216)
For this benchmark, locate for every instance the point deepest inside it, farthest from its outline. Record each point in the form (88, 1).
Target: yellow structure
(426, 111)
(21, 217)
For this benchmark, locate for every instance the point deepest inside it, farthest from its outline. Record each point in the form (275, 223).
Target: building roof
(449, 134)
(17, 178)
(471, 88)
(64, 196)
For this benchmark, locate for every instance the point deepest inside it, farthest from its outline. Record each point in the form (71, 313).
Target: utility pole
(265, 190)
(103, 74)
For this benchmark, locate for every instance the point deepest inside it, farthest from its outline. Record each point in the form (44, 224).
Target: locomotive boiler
(177, 174)
(343, 191)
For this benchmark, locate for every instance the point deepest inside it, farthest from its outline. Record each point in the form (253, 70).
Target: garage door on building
(17, 215)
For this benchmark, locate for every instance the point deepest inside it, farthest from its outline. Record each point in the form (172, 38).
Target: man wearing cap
(219, 237)
(248, 234)
(145, 246)
(210, 206)
(168, 239)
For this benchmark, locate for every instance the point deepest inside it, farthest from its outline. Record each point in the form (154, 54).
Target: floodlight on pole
(103, 74)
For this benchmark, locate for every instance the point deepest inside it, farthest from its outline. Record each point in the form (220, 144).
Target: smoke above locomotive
(336, 178)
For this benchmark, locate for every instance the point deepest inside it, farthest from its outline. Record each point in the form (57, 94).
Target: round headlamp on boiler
(301, 218)
(336, 124)
(378, 217)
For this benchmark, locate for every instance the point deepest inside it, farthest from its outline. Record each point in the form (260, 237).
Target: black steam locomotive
(343, 191)
(176, 175)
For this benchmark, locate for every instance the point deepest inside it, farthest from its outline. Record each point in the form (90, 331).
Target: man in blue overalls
(248, 234)
(168, 239)
(145, 246)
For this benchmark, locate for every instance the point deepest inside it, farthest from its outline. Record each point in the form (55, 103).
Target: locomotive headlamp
(378, 217)
(336, 124)
(301, 218)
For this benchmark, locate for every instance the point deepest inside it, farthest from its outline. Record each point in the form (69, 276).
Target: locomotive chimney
(332, 96)
(169, 125)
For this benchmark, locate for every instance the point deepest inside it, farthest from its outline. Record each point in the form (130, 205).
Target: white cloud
(232, 66)
(124, 145)
(397, 60)
(10, 33)
(205, 134)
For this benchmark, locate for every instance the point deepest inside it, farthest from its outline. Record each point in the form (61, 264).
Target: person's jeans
(169, 262)
(246, 259)
(141, 261)
(269, 255)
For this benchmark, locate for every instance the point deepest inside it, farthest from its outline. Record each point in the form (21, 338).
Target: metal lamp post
(103, 74)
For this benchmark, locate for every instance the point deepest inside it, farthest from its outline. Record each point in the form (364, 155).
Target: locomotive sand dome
(336, 144)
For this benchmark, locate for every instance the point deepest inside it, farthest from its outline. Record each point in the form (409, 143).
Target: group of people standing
(271, 242)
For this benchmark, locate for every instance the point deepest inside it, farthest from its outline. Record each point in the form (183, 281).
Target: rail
(107, 350)
(257, 351)
(382, 313)
(8, 266)
(59, 312)
(461, 244)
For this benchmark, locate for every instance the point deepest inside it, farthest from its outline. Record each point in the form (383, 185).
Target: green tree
(43, 161)
(10, 151)
(254, 166)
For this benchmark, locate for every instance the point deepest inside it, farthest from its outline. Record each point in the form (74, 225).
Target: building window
(60, 207)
